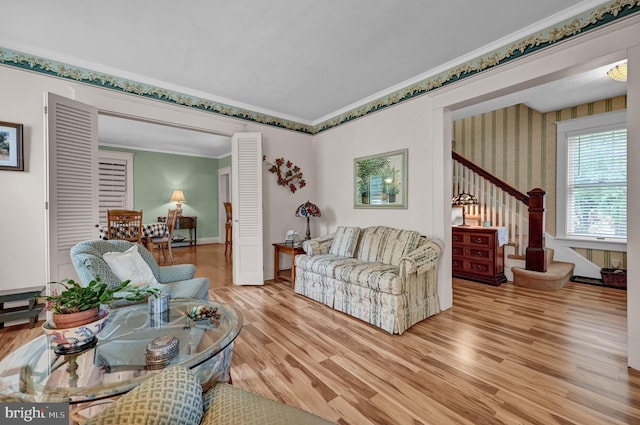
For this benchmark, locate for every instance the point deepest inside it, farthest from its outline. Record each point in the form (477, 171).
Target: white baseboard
(205, 241)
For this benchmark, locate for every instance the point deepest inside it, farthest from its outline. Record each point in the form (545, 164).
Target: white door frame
(224, 195)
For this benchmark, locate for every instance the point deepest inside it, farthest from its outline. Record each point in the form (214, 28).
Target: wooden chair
(163, 243)
(125, 225)
(228, 228)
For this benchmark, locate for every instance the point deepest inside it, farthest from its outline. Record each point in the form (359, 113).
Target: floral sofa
(382, 275)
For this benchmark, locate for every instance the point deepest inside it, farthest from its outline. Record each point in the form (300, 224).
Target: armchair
(175, 397)
(178, 279)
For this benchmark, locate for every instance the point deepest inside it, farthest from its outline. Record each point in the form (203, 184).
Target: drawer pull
(478, 240)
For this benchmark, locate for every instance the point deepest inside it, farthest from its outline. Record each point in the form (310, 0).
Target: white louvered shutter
(72, 148)
(247, 208)
(114, 183)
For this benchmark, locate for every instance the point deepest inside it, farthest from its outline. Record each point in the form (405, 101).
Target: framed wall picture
(11, 147)
(380, 181)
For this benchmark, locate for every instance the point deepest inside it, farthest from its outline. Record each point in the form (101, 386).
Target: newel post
(536, 252)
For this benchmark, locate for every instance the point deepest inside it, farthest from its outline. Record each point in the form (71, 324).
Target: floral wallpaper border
(587, 21)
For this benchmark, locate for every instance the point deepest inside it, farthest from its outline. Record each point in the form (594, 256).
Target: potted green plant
(392, 191)
(78, 305)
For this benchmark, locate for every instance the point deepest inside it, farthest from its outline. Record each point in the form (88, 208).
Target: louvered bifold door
(72, 152)
(246, 153)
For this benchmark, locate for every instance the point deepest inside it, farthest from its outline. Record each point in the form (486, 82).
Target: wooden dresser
(476, 254)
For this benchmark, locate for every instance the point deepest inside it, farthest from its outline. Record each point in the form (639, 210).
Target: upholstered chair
(177, 280)
(174, 396)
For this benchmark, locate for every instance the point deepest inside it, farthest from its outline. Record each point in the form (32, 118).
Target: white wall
(633, 207)
(278, 203)
(22, 216)
(404, 126)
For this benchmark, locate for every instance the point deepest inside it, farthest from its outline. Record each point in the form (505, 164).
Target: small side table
(184, 222)
(30, 311)
(285, 249)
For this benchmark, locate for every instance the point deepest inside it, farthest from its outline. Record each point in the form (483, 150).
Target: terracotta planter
(72, 320)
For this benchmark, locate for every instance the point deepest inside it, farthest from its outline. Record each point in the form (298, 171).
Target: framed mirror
(380, 181)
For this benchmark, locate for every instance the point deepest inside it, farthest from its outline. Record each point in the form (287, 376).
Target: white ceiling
(304, 60)
(578, 89)
(131, 134)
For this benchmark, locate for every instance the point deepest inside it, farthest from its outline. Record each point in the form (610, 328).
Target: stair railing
(504, 206)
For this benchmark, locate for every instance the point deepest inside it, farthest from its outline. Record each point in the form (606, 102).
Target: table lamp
(308, 210)
(178, 197)
(464, 199)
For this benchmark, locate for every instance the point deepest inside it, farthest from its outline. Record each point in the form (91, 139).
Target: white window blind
(115, 182)
(597, 185)
(591, 189)
(112, 187)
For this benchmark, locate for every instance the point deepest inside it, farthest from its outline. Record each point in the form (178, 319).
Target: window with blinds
(592, 178)
(115, 182)
(597, 185)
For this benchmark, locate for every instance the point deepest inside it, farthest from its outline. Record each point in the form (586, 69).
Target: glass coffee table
(119, 360)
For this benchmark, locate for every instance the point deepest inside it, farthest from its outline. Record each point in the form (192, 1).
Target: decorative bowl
(202, 312)
(77, 335)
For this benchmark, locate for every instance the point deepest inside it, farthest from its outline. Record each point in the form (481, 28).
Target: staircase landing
(557, 275)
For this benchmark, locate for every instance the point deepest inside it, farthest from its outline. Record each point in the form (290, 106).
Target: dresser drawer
(481, 267)
(457, 250)
(483, 239)
(484, 253)
(457, 264)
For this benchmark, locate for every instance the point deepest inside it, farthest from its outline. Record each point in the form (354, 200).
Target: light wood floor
(500, 355)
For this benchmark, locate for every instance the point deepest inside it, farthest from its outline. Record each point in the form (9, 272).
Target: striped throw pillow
(345, 241)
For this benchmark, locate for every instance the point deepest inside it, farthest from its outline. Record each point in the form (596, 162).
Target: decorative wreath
(289, 176)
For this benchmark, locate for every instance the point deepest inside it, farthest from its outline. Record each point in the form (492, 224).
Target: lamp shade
(308, 210)
(177, 196)
(464, 199)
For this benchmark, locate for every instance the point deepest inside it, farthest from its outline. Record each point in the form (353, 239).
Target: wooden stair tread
(557, 275)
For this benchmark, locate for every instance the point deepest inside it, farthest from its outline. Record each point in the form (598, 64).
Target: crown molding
(499, 52)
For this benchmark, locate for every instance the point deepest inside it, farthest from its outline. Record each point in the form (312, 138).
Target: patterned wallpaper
(518, 145)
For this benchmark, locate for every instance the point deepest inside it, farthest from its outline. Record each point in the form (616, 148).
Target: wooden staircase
(523, 215)
(557, 274)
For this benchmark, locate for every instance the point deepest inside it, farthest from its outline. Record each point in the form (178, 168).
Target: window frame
(607, 121)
